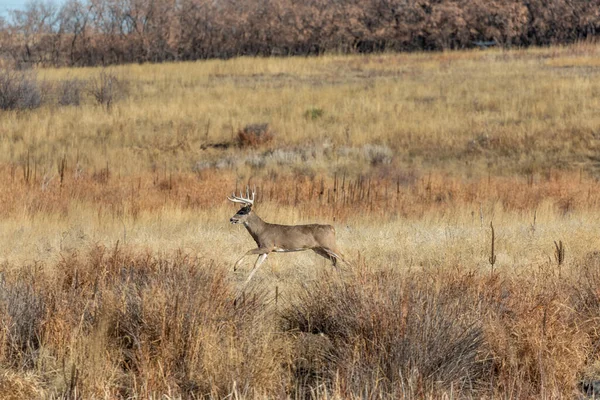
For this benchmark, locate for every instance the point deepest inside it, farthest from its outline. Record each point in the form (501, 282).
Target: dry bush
(254, 135)
(378, 154)
(107, 88)
(136, 324)
(403, 332)
(19, 90)
(70, 92)
(429, 333)
(538, 342)
(585, 297)
(24, 310)
(22, 91)
(116, 323)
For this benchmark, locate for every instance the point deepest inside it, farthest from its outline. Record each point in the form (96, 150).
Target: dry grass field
(116, 253)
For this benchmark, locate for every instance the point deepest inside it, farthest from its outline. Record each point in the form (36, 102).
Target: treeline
(101, 32)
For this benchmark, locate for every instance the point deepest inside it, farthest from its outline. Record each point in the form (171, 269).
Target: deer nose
(232, 220)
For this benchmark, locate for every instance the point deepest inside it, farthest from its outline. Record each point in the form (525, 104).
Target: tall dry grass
(123, 288)
(113, 324)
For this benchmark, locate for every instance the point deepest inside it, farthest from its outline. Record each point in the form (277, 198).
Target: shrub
(23, 310)
(167, 324)
(106, 89)
(254, 135)
(314, 113)
(409, 336)
(19, 90)
(70, 91)
(378, 154)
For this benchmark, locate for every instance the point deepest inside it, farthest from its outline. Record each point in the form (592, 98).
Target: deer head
(242, 215)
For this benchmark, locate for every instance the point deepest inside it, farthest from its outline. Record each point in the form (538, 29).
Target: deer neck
(255, 225)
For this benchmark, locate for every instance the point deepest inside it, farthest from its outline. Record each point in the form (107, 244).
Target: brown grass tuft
(254, 135)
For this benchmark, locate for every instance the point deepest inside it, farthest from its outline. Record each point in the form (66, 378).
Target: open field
(469, 112)
(116, 275)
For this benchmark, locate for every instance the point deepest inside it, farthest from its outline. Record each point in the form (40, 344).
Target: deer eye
(244, 211)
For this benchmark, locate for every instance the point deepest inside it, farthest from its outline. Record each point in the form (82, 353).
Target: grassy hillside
(510, 112)
(117, 253)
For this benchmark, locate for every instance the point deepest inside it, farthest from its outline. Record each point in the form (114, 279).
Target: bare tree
(102, 32)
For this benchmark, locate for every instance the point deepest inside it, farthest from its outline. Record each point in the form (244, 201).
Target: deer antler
(243, 200)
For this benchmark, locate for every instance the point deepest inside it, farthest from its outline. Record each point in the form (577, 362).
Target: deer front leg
(260, 250)
(257, 264)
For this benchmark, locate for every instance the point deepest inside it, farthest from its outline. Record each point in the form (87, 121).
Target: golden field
(117, 252)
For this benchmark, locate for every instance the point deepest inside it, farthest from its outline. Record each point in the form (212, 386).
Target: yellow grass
(515, 110)
(409, 156)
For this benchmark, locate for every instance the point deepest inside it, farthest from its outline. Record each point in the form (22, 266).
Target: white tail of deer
(282, 238)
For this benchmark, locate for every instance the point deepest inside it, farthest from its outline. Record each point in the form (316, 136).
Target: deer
(282, 238)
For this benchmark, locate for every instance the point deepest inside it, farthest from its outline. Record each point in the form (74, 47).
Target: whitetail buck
(282, 238)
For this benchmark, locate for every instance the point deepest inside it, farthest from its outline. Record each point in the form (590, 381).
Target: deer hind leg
(336, 256)
(329, 254)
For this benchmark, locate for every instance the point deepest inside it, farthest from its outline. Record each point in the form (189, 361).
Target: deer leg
(257, 264)
(323, 252)
(320, 252)
(334, 256)
(249, 253)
